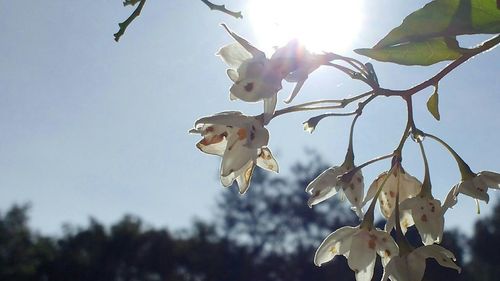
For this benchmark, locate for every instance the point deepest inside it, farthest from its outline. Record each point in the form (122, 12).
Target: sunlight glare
(321, 25)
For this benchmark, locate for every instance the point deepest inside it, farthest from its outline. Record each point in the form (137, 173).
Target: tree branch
(222, 8)
(485, 46)
(123, 26)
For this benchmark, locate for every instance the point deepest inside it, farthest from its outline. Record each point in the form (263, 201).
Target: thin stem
(298, 109)
(465, 170)
(349, 157)
(349, 174)
(354, 63)
(375, 160)
(123, 26)
(350, 152)
(353, 74)
(303, 107)
(436, 78)
(222, 8)
(409, 105)
(399, 150)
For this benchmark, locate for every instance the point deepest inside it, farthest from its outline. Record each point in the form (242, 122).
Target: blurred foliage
(268, 234)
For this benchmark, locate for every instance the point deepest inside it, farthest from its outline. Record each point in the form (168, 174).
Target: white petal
(255, 89)
(416, 267)
(475, 189)
(269, 107)
(451, 199)
(441, 255)
(235, 157)
(386, 247)
(362, 255)
(372, 190)
(400, 269)
(267, 161)
(228, 118)
(257, 136)
(405, 221)
(324, 186)
(492, 179)
(234, 55)
(244, 177)
(251, 49)
(215, 148)
(232, 74)
(354, 191)
(337, 243)
(428, 217)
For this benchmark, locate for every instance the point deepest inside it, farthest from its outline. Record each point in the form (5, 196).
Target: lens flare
(321, 25)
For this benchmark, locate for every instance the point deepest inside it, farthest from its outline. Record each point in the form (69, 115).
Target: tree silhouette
(269, 234)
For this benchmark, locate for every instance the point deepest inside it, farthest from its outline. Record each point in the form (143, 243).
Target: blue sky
(91, 127)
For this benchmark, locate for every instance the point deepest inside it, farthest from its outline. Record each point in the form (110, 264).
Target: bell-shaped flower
(409, 186)
(475, 187)
(427, 215)
(360, 246)
(258, 78)
(241, 141)
(328, 183)
(411, 267)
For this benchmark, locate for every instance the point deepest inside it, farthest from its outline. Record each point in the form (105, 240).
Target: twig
(436, 78)
(123, 26)
(222, 8)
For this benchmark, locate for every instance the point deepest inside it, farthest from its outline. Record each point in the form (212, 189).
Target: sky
(91, 127)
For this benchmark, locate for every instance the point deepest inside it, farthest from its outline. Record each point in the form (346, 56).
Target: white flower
(409, 186)
(327, 184)
(411, 267)
(258, 78)
(427, 215)
(241, 141)
(475, 187)
(255, 77)
(359, 245)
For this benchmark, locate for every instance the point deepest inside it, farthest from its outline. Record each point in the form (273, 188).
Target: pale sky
(91, 127)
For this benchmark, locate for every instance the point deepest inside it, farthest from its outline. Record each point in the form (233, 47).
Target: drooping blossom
(475, 186)
(241, 141)
(360, 246)
(258, 78)
(409, 187)
(411, 267)
(328, 183)
(427, 215)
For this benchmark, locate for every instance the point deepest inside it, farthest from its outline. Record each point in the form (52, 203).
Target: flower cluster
(404, 201)
(242, 140)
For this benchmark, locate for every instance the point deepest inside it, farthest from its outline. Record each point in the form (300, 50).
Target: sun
(321, 25)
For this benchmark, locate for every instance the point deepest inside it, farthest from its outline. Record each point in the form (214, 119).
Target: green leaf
(433, 103)
(416, 53)
(446, 18)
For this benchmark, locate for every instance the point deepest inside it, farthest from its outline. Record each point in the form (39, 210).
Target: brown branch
(222, 8)
(485, 46)
(123, 26)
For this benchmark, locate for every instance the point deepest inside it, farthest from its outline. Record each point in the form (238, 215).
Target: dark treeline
(269, 234)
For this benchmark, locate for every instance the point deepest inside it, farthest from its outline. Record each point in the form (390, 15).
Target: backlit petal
(441, 255)
(234, 54)
(337, 243)
(362, 255)
(267, 161)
